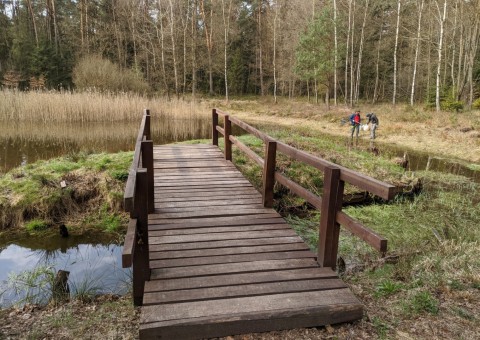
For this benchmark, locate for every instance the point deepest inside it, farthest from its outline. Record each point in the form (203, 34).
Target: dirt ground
(113, 317)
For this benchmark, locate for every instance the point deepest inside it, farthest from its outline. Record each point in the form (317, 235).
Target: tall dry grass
(46, 107)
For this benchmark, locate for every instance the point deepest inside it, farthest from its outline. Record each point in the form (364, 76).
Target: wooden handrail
(334, 181)
(144, 130)
(139, 201)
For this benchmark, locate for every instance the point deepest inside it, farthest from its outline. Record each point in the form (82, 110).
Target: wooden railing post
(141, 270)
(214, 127)
(147, 162)
(228, 143)
(329, 229)
(269, 172)
(148, 131)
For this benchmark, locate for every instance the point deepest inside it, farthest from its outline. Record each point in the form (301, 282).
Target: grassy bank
(32, 198)
(431, 272)
(450, 134)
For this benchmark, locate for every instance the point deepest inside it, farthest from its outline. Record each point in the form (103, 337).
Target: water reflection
(25, 143)
(95, 265)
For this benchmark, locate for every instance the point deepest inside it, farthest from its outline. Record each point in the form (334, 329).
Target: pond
(94, 264)
(25, 143)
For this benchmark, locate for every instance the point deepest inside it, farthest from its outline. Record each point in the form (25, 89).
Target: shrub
(94, 72)
(452, 105)
(476, 104)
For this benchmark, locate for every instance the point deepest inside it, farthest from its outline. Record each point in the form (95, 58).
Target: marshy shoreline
(429, 277)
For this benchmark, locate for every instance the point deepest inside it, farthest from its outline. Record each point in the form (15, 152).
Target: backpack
(352, 118)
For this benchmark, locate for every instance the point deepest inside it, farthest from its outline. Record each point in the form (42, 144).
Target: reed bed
(69, 107)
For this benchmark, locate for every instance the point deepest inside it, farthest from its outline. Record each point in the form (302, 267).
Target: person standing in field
(372, 118)
(355, 120)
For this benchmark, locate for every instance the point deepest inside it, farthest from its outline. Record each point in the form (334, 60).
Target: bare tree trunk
(209, 41)
(351, 55)
(395, 56)
(162, 45)
(473, 52)
(226, 25)
(360, 52)
(174, 48)
(122, 61)
(275, 53)
(417, 51)
(53, 16)
(347, 48)
(461, 48)
(185, 27)
(452, 69)
(194, 48)
(32, 16)
(260, 57)
(377, 72)
(335, 52)
(440, 49)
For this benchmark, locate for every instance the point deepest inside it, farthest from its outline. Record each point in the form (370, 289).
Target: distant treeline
(349, 50)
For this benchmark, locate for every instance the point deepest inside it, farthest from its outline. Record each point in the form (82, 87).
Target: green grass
(421, 302)
(33, 192)
(36, 225)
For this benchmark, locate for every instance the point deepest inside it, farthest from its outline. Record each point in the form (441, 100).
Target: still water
(94, 265)
(25, 143)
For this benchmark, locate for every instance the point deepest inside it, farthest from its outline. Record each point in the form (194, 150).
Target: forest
(342, 51)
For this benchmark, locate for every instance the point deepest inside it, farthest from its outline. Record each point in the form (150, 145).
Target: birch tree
(417, 50)
(394, 100)
(441, 19)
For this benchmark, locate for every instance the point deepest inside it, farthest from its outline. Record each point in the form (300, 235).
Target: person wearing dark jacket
(355, 120)
(372, 118)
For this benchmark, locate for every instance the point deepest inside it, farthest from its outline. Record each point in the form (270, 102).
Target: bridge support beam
(141, 270)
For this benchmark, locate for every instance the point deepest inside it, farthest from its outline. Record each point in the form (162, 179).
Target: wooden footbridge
(211, 258)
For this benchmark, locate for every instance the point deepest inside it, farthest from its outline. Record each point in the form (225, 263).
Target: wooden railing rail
(330, 204)
(139, 201)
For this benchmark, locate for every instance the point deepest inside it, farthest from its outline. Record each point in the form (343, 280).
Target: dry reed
(55, 107)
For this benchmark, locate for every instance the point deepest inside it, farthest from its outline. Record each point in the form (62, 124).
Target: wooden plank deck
(222, 264)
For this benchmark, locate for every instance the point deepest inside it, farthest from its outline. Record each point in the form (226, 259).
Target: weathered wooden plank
(224, 268)
(192, 209)
(206, 260)
(207, 203)
(205, 213)
(205, 188)
(245, 305)
(156, 224)
(224, 243)
(188, 164)
(227, 251)
(194, 170)
(202, 183)
(214, 199)
(221, 236)
(198, 177)
(252, 322)
(214, 192)
(256, 289)
(224, 280)
(223, 229)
